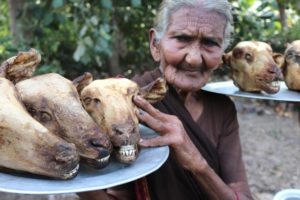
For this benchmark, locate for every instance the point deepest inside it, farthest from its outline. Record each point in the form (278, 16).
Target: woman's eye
(210, 42)
(183, 38)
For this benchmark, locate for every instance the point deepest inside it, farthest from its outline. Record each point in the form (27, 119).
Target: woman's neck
(192, 101)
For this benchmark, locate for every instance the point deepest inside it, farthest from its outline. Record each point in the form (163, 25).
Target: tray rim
(211, 87)
(162, 159)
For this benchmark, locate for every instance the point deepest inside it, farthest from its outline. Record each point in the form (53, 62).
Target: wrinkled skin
(26, 145)
(109, 102)
(54, 101)
(291, 66)
(253, 67)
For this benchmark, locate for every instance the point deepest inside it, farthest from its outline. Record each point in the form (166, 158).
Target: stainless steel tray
(149, 160)
(228, 88)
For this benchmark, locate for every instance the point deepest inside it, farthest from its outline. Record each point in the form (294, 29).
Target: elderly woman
(201, 128)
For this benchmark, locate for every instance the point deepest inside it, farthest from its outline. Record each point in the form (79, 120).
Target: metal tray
(228, 88)
(88, 179)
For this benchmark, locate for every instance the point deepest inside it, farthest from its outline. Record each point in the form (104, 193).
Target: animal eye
(45, 117)
(289, 55)
(31, 110)
(248, 57)
(97, 101)
(87, 100)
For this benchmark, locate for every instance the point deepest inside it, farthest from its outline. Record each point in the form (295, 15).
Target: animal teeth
(105, 159)
(72, 173)
(275, 84)
(129, 150)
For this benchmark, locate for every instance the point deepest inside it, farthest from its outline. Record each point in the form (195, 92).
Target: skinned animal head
(53, 100)
(26, 145)
(109, 102)
(253, 67)
(291, 66)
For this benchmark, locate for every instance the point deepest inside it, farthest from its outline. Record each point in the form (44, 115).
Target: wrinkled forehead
(198, 21)
(255, 46)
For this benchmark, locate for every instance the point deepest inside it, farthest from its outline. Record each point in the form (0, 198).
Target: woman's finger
(146, 106)
(154, 142)
(152, 122)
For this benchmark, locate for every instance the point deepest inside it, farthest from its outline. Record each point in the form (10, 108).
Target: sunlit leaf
(136, 3)
(57, 3)
(48, 19)
(106, 4)
(80, 50)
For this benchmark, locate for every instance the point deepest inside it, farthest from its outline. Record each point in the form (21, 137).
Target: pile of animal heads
(59, 123)
(109, 102)
(53, 101)
(25, 144)
(253, 67)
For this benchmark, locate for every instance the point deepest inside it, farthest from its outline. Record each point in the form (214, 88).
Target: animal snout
(66, 153)
(274, 69)
(103, 147)
(124, 129)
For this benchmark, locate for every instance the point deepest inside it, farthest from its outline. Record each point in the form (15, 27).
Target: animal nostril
(103, 152)
(96, 143)
(272, 69)
(118, 132)
(66, 153)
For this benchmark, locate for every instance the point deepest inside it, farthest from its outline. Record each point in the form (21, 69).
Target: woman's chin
(188, 86)
(186, 81)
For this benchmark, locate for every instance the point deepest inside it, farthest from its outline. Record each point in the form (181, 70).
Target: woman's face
(191, 47)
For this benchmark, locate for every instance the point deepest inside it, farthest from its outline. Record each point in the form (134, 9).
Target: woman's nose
(194, 57)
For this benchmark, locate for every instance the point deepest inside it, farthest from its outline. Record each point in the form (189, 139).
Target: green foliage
(259, 20)
(6, 46)
(75, 36)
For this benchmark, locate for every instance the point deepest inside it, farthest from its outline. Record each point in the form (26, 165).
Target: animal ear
(154, 91)
(21, 66)
(82, 81)
(226, 58)
(278, 58)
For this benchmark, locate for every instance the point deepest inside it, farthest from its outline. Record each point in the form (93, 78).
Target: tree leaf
(57, 3)
(106, 4)
(136, 3)
(80, 50)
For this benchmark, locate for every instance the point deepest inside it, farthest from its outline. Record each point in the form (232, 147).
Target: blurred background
(110, 37)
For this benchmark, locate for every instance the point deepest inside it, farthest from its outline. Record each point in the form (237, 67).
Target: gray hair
(169, 7)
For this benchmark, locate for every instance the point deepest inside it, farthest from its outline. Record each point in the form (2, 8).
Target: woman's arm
(172, 133)
(122, 192)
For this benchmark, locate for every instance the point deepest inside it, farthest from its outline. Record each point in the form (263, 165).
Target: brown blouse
(215, 134)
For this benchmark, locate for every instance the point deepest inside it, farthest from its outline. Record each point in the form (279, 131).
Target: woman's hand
(171, 132)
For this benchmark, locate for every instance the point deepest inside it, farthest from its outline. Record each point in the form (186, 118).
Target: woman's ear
(154, 46)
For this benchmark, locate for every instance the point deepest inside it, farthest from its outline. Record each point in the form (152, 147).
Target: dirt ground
(270, 136)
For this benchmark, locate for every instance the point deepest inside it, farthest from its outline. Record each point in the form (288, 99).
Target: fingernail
(138, 98)
(141, 112)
